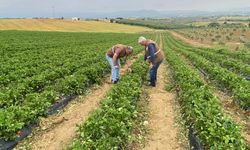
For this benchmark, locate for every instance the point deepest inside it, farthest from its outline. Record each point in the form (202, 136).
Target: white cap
(141, 39)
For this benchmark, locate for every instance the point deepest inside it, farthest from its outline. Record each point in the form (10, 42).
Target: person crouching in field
(113, 56)
(154, 55)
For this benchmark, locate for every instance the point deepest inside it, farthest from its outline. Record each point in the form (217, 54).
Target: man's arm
(145, 57)
(128, 62)
(115, 60)
(116, 54)
(151, 49)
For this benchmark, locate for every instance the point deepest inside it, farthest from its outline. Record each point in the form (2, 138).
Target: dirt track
(162, 115)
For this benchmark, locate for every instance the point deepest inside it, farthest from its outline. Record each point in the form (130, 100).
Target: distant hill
(164, 14)
(140, 14)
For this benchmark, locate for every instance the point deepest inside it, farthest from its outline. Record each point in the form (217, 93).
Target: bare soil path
(60, 133)
(164, 133)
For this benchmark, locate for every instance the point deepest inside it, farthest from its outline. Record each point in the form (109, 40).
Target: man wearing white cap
(113, 56)
(154, 55)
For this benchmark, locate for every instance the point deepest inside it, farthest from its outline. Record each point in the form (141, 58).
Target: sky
(45, 8)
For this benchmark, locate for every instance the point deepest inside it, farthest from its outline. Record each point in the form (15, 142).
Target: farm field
(191, 62)
(210, 87)
(220, 32)
(67, 26)
(38, 68)
(236, 38)
(124, 75)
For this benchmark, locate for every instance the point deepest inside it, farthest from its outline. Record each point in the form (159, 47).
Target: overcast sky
(24, 8)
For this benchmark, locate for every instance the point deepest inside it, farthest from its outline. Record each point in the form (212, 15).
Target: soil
(162, 117)
(57, 131)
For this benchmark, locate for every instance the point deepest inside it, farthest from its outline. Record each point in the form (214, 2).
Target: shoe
(114, 82)
(149, 84)
(153, 85)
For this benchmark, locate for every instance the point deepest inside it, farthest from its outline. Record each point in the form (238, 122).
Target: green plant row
(231, 64)
(202, 109)
(25, 100)
(16, 92)
(57, 60)
(109, 127)
(34, 60)
(224, 78)
(15, 116)
(239, 56)
(72, 61)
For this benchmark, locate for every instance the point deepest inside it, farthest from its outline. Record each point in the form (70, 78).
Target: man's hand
(129, 70)
(148, 60)
(128, 63)
(151, 66)
(116, 67)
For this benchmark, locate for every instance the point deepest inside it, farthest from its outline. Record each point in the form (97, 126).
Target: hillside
(67, 26)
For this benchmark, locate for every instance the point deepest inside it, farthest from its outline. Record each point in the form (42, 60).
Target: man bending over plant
(113, 56)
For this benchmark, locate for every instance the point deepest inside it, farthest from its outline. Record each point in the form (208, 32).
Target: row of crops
(39, 68)
(110, 126)
(223, 77)
(201, 108)
(237, 66)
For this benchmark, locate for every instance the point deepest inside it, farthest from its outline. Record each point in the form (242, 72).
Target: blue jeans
(114, 72)
(153, 73)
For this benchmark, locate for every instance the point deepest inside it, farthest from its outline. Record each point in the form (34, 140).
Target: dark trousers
(153, 73)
